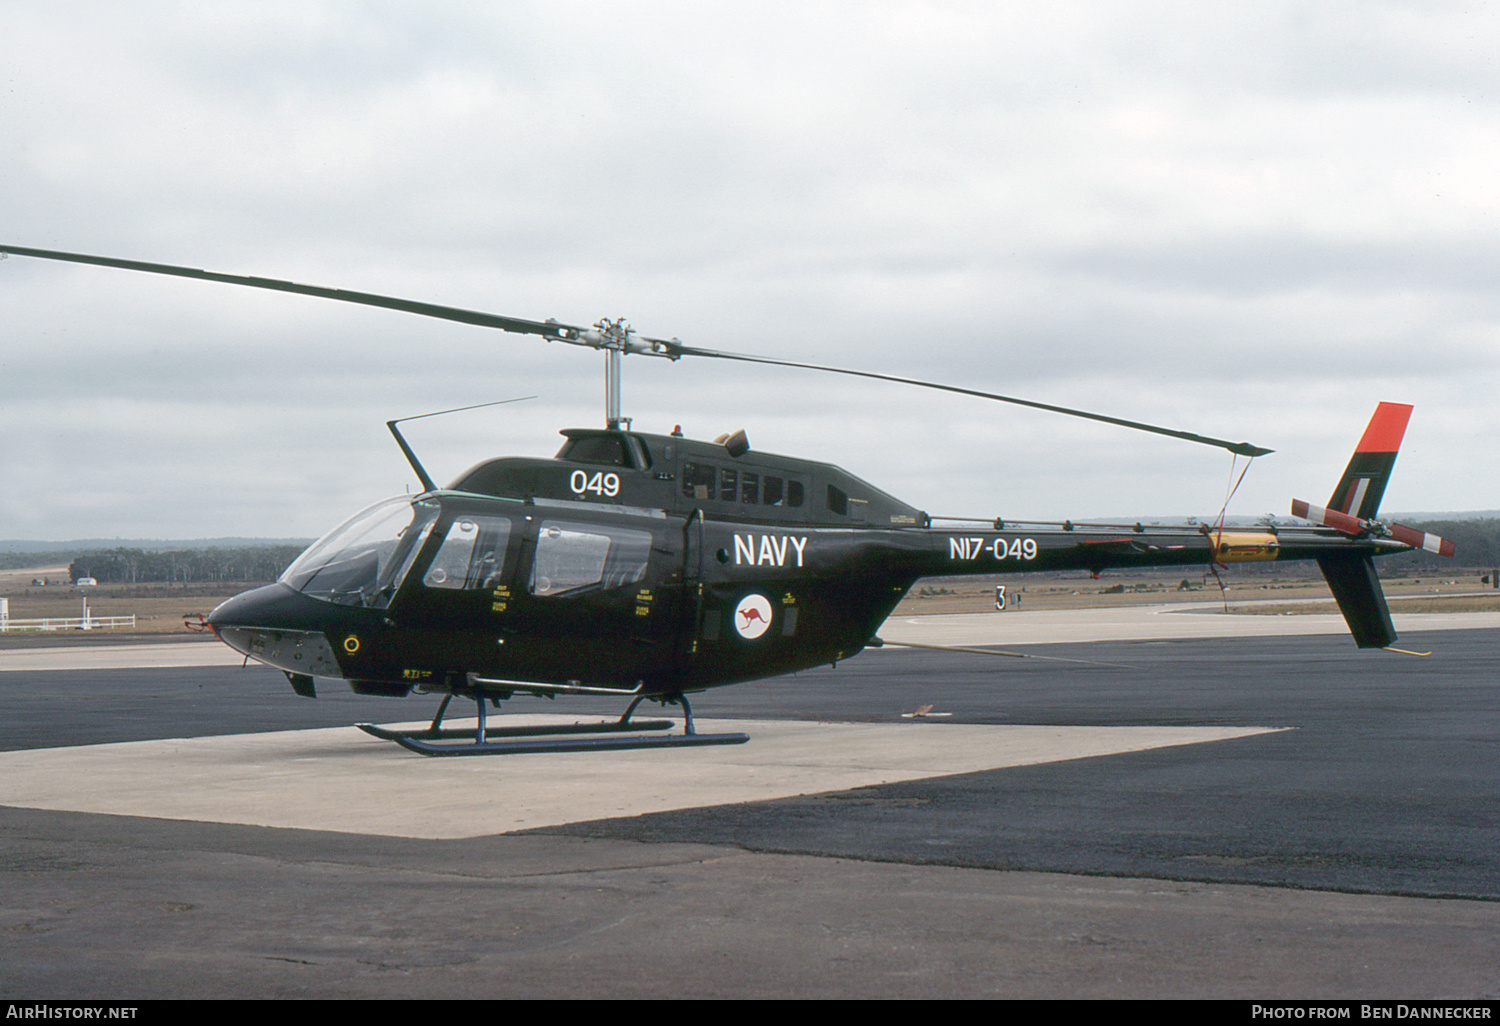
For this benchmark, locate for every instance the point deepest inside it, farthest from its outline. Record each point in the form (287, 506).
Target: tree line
(1477, 544)
(184, 566)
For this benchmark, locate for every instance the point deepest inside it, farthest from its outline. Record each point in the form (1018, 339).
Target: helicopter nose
(273, 607)
(280, 627)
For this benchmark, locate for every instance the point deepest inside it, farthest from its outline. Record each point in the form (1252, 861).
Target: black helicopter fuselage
(653, 564)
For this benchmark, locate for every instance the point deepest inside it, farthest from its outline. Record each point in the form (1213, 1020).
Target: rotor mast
(616, 338)
(613, 333)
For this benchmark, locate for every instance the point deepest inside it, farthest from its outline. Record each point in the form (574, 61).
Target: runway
(1213, 816)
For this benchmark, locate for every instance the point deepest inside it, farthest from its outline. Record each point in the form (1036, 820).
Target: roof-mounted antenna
(411, 457)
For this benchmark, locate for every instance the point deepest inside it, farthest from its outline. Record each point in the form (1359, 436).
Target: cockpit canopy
(362, 561)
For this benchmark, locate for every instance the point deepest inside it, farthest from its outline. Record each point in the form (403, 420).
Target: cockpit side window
(472, 555)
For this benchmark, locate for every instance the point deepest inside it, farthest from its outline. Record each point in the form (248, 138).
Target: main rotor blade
(1238, 448)
(550, 329)
(553, 330)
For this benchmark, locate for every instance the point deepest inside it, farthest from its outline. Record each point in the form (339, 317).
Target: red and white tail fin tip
(1357, 498)
(1362, 487)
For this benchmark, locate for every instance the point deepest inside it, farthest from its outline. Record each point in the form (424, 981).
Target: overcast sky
(1249, 220)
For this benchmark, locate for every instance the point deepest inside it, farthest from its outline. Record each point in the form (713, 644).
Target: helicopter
(650, 567)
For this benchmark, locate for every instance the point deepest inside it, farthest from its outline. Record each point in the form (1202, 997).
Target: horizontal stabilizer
(1357, 590)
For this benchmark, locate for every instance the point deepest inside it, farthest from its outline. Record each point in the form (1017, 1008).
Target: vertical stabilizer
(1352, 509)
(1363, 485)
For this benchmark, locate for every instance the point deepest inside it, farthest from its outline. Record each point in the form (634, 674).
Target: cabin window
(698, 480)
(704, 481)
(472, 555)
(777, 491)
(838, 501)
(572, 558)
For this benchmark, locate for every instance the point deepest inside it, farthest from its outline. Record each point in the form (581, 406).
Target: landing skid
(613, 735)
(448, 734)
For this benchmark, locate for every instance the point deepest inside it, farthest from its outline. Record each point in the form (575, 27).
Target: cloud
(1246, 220)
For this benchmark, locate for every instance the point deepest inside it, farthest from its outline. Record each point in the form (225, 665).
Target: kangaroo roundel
(752, 617)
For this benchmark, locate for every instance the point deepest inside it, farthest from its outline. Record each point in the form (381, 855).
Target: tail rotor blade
(1329, 518)
(1421, 540)
(1355, 526)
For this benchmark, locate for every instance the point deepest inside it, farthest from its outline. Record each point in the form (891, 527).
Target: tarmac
(852, 853)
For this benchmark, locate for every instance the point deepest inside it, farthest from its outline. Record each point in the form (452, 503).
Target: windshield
(362, 561)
